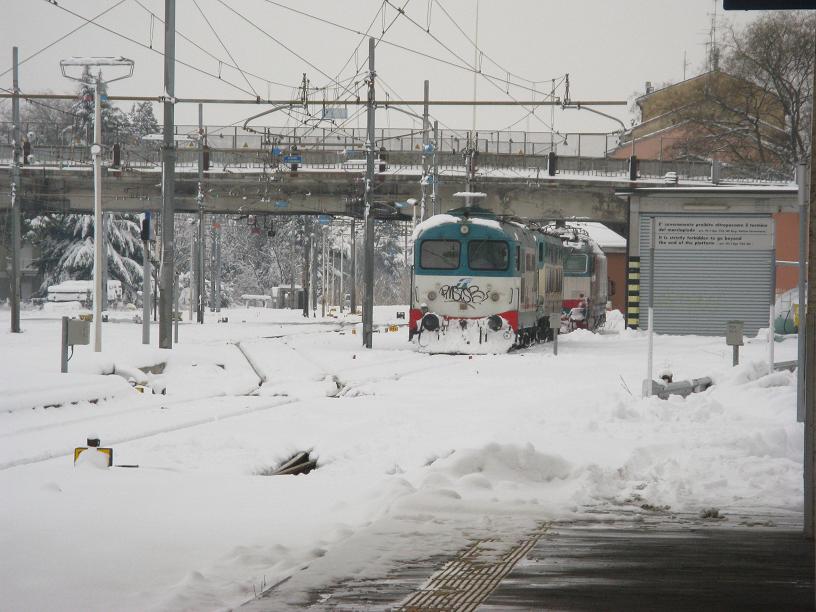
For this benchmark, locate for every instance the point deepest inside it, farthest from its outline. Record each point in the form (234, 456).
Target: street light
(96, 150)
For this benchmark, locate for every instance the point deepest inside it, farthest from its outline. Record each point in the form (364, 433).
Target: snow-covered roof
(606, 238)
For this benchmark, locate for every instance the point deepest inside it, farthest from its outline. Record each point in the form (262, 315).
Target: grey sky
(609, 48)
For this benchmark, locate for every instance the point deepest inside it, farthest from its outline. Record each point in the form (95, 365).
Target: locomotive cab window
(439, 254)
(488, 255)
(576, 264)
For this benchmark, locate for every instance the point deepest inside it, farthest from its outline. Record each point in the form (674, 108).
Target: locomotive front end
(464, 294)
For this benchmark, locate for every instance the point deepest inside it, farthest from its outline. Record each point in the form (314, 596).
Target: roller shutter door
(697, 290)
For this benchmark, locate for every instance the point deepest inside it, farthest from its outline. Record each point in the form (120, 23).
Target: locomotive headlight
(464, 229)
(430, 322)
(494, 323)
(431, 295)
(494, 296)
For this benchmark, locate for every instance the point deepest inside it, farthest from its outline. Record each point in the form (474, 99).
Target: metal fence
(328, 148)
(322, 137)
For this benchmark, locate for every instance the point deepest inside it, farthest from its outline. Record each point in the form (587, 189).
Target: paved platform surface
(652, 561)
(671, 567)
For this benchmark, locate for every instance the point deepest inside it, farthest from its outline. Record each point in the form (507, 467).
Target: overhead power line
(148, 47)
(208, 53)
(63, 37)
(225, 47)
(281, 44)
(355, 102)
(401, 11)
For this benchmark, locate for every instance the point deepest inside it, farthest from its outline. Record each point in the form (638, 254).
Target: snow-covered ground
(416, 452)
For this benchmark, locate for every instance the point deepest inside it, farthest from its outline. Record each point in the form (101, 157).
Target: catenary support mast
(168, 152)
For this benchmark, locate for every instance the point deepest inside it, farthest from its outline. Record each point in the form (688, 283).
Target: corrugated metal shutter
(698, 291)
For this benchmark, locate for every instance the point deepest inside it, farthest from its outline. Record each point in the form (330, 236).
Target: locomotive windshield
(439, 254)
(487, 255)
(576, 264)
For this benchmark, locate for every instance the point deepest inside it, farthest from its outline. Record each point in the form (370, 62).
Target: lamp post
(96, 152)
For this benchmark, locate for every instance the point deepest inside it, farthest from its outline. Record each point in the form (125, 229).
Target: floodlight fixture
(96, 152)
(96, 62)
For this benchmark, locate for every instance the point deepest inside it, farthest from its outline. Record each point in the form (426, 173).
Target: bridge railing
(144, 156)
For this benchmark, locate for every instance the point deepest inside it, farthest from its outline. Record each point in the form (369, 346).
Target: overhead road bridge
(246, 183)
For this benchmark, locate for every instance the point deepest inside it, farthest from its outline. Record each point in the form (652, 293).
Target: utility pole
(342, 292)
(323, 280)
(425, 165)
(202, 289)
(292, 265)
(435, 168)
(307, 251)
(14, 293)
(801, 179)
(217, 275)
(99, 230)
(213, 262)
(810, 352)
(168, 181)
(193, 259)
(146, 280)
(313, 269)
(368, 259)
(353, 266)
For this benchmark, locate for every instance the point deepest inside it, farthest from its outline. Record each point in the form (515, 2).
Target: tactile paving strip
(464, 583)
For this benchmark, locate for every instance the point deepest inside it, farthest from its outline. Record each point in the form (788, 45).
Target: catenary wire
(208, 53)
(225, 47)
(144, 46)
(63, 37)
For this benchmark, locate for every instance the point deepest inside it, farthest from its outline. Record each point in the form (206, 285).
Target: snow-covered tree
(67, 249)
(142, 120)
(114, 121)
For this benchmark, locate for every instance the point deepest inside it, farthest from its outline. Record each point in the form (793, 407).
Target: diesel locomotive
(483, 284)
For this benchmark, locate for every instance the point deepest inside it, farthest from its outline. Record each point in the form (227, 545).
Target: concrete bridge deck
(527, 192)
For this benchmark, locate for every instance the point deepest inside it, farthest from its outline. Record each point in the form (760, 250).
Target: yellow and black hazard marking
(633, 293)
(105, 451)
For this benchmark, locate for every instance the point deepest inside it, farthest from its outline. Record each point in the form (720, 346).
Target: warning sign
(714, 233)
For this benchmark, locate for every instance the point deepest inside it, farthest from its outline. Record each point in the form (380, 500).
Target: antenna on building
(713, 48)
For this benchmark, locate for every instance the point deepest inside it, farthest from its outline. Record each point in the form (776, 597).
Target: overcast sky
(609, 48)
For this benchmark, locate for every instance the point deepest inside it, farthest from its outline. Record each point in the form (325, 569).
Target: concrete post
(64, 346)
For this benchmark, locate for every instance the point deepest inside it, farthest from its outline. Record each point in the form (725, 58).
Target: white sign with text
(714, 233)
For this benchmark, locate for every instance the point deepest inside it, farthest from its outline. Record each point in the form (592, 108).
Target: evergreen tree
(391, 276)
(67, 249)
(114, 121)
(142, 120)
